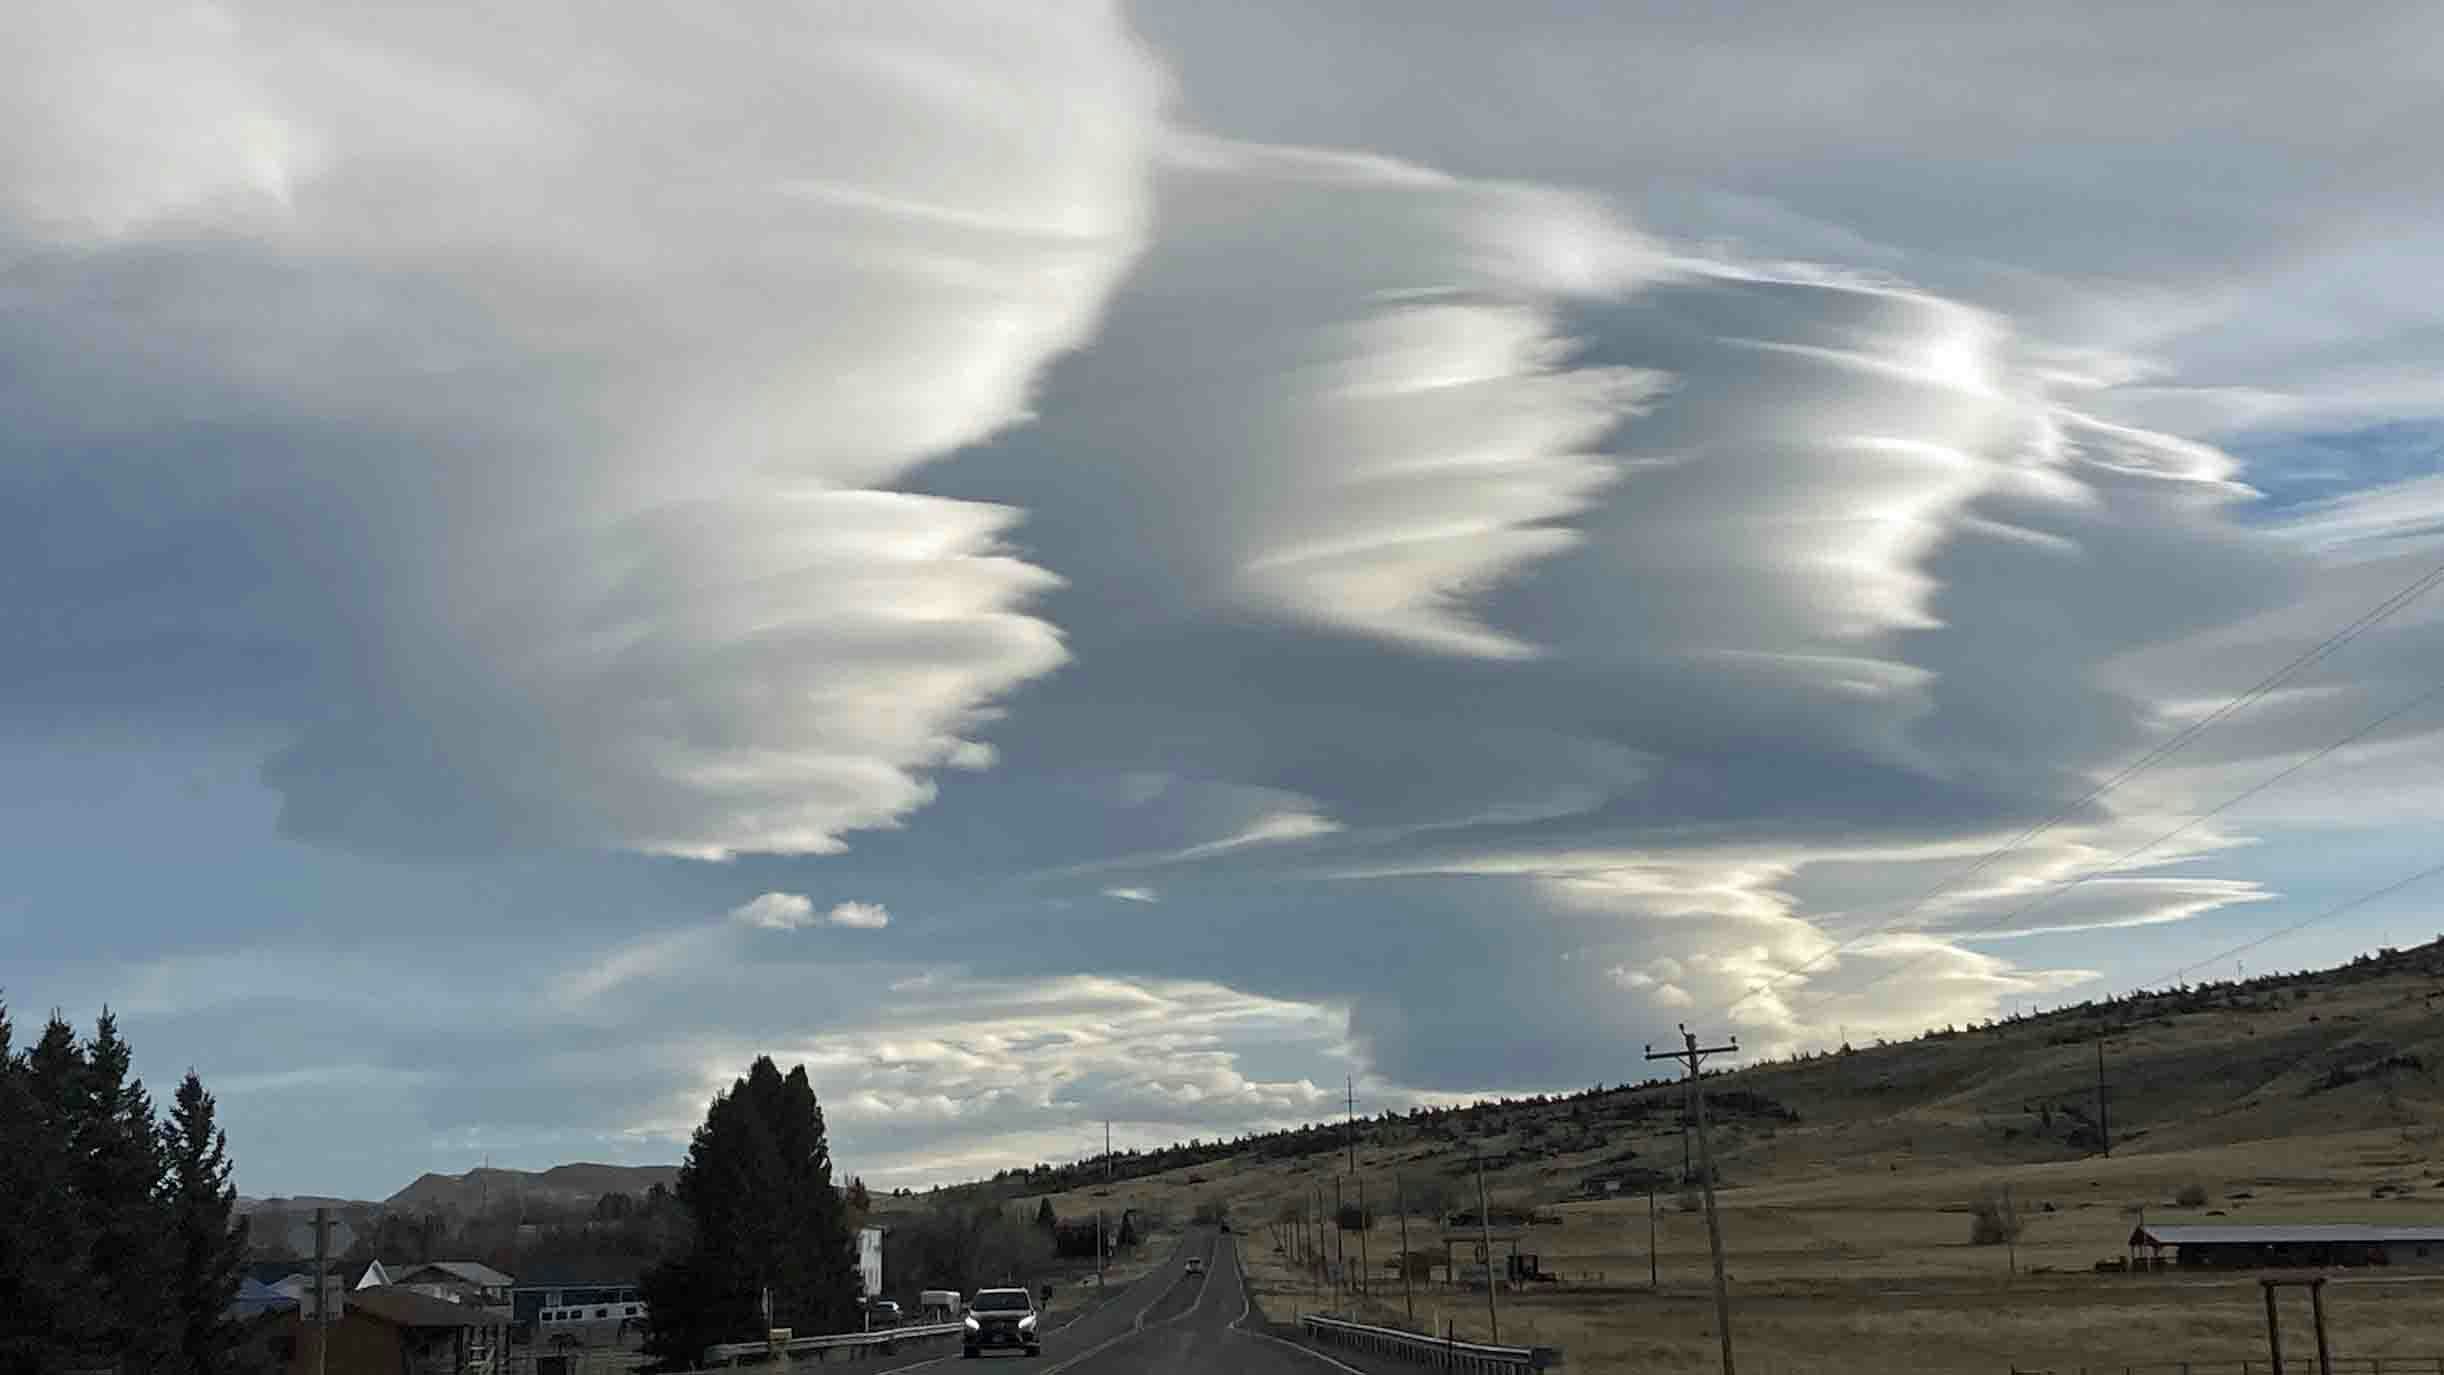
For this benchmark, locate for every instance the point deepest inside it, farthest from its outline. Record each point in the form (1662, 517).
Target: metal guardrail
(2257, 1365)
(852, 1344)
(1435, 1353)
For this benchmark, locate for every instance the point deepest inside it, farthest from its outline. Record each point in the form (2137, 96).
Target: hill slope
(573, 1185)
(1848, 1180)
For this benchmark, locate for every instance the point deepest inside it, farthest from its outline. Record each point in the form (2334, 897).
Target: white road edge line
(1137, 1325)
(1247, 1306)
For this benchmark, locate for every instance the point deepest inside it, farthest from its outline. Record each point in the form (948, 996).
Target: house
(394, 1331)
(459, 1281)
(374, 1277)
(2287, 1244)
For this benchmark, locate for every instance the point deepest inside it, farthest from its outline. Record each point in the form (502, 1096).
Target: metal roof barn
(2293, 1244)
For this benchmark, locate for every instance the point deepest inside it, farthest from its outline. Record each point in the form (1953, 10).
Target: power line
(2298, 926)
(2366, 621)
(2115, 864)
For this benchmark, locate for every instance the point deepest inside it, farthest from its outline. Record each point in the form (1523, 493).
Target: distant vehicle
(589, 1324)
(1196, 1265)
(882, 1313)
(939, 1305)
(1001, 1320)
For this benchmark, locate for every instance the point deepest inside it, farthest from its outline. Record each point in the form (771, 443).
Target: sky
(1062, 562)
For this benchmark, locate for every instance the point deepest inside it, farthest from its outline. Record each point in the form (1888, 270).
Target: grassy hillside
(1848, 1178)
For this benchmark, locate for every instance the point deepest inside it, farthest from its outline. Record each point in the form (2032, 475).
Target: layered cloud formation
(1192, 594)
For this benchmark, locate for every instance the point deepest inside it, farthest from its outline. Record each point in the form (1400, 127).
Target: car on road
(1196, 1265)
(882, 1313)
(1001, 1320)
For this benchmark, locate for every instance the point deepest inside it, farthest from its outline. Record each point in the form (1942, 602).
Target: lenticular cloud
(571, 363)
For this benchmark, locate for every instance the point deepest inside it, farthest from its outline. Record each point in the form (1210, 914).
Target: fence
(1436, 1353)
(2304, 1363)
(845, 1346)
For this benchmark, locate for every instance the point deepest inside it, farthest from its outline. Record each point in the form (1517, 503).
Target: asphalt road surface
(1183, 1325)
(1167, 1321)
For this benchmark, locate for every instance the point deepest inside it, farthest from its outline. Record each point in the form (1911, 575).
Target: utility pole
(2104, 1124)
(1366, 1268)
(1485, 1244)
(1107, 1188)
(1340, 1241)
(1654, 1281)
(1694, 1056)
(322, 1289)
(1315, 1263)
(1350, 1086)
(1400, 1205)
(2011, 1232)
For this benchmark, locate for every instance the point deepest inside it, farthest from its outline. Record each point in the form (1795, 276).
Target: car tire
(1035, 1351)
(967, 1353)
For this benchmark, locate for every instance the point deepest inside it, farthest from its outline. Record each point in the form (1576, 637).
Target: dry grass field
(1847, 1182)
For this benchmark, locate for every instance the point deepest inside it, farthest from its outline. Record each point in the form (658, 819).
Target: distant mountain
(561, 1185)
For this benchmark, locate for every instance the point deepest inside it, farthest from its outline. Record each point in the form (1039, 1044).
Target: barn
(2287, 1244)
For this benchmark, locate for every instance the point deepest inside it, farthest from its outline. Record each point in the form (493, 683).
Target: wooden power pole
(1693, 1056)
(1366, 1270)
(322, 1289)
(2104, 1124)
(1400, 1205)
(1485, 1246)
(1654, 1272)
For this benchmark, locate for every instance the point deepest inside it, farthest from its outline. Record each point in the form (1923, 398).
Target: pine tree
(860, 1201)
(120, 1178)
(1045, 1218)
(208, 1240)
(758, 1185)
(50, 1311)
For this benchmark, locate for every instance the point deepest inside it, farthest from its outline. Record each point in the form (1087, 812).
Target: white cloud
(795, 911)
(776, 911)
(1132, 894)
(699, 310)
(862, 916)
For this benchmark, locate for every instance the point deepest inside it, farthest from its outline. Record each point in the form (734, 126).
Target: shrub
(1993, 1220)
(2192, 1195)
(1692, 1200)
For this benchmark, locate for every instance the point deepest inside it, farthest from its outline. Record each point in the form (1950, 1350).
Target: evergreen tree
(1045, 1218)
(50, 1309)
(859, 1200)
(120, 1182)
(208, 1240)
(758, 1185)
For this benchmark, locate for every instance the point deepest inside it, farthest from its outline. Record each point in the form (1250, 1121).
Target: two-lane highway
(1191, 1327)
(1154, 1303)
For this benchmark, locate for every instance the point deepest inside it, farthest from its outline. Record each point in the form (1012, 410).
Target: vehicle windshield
(1002, 1301)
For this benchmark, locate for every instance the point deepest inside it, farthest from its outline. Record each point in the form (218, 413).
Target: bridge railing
(843, 1345)
(1434, 1353)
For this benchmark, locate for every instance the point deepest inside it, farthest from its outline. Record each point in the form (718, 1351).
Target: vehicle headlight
(1027, 1323)
(973, 1325)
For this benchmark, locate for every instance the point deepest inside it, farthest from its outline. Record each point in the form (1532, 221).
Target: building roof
(255, 1297)
(407, 1308)
(2287, 1234)
(473, 1272)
